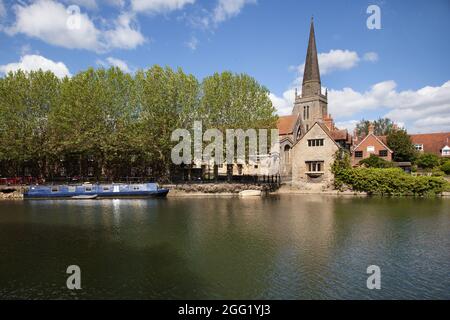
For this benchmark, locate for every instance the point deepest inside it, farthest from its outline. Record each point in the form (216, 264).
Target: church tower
(311, 105)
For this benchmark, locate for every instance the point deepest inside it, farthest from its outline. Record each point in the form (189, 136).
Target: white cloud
(50, 22)
(159, 6)
(192, 43)
(332, 61)
(424, 110)
(88, 4)
(123, 35)
(36, 62)
(227, 9)
(122, 65)
(284, 104)
(370, 56)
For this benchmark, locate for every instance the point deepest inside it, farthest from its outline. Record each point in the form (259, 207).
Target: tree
(427, 161)
(26, 100)
(382, 127)
(375, 162)
(168, 100)
(236, 101)
(400, 143)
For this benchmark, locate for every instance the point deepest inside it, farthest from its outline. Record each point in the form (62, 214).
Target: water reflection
(283, 247)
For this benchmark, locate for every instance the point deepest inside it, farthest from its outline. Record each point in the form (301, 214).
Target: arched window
(299, 132)
(287, 154)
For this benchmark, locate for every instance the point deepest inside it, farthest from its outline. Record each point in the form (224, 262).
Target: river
(277, 247)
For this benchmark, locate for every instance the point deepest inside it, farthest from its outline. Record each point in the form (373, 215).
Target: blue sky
(401, 71)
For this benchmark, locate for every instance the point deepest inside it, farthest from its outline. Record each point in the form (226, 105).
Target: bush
(375, 162)
(428, 161)
(446, 167)
(392, 181)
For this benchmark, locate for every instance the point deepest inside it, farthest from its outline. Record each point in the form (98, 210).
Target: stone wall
(302, 154)
(217, 188)
(11, 193)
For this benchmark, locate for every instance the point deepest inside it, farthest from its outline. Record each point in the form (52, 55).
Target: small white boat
(85, 197)
(250, 193)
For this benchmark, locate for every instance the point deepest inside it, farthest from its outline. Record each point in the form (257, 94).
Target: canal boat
(95, 191)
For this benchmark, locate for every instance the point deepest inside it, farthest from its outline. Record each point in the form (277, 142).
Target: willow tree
(235, 101)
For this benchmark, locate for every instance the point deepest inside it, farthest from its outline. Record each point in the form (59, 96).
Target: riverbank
(219, 190)
(11, 193)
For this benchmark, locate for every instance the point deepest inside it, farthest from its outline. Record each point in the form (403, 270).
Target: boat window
(105, 188)
(88, 189)
(55, 189)
(135, 188)
(72, 189)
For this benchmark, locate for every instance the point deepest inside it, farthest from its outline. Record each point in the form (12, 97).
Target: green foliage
(382, 127)
(446, 167)
(120, 120)
(375, 162)
(392, 181)
(400, 143)
(427, 161)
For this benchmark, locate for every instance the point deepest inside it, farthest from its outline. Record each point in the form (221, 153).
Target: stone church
(308, 137)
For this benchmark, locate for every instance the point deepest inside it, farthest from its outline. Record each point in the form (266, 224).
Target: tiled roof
(432, 142)
(339, 134)
(286, 124)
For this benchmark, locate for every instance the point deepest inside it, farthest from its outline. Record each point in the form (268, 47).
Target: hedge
(391, 181)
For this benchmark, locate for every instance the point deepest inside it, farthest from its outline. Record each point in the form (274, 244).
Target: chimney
(371, 128)
(355, 136)
(329, 122)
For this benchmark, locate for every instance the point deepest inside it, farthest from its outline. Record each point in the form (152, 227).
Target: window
(105, 188)
(135, 188)
(315, 166)
(307, 127)
(383, 153)
(55, 189)
(315, 142)
(358, 154)
(88, 189)
(305, 112)
(370, 149)
(419, 147)
(287, 156)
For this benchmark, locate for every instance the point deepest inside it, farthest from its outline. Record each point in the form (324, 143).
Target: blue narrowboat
(94, 191)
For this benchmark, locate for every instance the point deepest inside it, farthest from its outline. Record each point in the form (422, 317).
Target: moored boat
(95, 191)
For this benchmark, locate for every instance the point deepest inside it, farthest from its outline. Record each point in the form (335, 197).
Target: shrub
(446, 167)
(375, 162)
(427, 161)
(392, 181)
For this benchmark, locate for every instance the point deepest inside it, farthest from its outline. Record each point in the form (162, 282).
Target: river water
(278, 247)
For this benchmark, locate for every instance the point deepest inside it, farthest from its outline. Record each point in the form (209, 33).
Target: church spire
(311, 74)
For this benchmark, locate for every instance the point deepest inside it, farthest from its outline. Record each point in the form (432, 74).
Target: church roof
(311, 72)
(286, 124)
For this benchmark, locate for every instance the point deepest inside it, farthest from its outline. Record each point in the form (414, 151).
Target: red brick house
(436, 143)
(371, 144)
